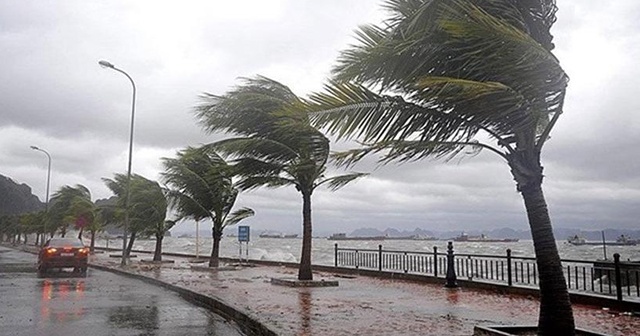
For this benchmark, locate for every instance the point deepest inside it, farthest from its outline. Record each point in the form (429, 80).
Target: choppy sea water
(289, 249)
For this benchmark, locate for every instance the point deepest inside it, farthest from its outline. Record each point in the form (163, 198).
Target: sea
(322, 253)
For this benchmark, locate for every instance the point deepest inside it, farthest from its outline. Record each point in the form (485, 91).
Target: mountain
(17, 198)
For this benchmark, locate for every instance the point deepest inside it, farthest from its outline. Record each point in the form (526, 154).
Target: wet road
(103, 303)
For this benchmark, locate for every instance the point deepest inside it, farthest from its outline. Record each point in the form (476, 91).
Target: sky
(54, 95)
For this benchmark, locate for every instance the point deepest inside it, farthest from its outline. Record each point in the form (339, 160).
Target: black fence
(608, 277)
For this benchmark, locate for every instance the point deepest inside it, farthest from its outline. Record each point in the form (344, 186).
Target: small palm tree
(147, 204)
(275, 146)
(87, 216)
(201, 187)
(61, 213)
(159, 231)
(445, 76)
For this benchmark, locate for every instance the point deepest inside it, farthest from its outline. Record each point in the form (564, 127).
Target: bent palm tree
(276, 145)
(470, 74)
(61, 213)
(147, 204)
(201, 187)
(86, 215)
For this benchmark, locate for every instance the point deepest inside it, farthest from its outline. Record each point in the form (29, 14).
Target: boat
(624, 240)
(620, 241)
(343, 236)
(268, 235)
(576, 240)
(483, 239)
(277, 235)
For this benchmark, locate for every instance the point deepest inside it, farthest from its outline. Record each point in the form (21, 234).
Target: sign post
(243, 237)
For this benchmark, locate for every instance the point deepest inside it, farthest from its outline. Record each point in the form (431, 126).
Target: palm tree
(9, 227)
(61, 213)
(28, 222)
(87, 215)
(445, 76)
(159, 231)
(275, 146)
(201, 187)
(147, 204)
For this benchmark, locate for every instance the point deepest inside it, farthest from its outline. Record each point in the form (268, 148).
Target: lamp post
(106, 64)
(46, 211)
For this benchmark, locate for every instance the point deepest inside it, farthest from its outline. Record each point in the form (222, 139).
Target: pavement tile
(362, 305)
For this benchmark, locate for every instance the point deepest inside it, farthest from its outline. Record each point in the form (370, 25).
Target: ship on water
(483, 239)
(277, 235)
(620, 241)
(343, 236)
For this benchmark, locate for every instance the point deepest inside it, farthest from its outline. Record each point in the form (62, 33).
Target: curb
(246, 323)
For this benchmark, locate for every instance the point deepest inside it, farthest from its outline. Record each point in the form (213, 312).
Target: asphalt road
(103, 303)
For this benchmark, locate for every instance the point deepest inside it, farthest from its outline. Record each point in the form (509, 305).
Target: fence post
(357, 261)
(451, 272)
(509, 280)
(616, 263)
(335, 255)
(435, 261)
(380, 257)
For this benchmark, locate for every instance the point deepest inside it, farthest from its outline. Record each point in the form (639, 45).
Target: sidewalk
(359, 305)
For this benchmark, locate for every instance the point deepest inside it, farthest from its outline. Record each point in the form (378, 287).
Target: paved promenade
(359, 305)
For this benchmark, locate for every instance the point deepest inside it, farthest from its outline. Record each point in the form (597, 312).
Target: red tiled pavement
(362, 305)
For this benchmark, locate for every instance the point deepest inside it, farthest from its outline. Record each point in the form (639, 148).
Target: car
(59, 253)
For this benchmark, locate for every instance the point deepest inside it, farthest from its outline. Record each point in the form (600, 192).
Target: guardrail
(609, 277)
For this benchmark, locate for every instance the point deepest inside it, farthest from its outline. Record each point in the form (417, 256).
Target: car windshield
(65, 242)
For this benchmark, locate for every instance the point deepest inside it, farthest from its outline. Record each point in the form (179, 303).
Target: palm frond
(255, 147)
(256, 181)
(336, 182)
(239, 215)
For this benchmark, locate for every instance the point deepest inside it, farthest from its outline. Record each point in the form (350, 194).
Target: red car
(63, 253)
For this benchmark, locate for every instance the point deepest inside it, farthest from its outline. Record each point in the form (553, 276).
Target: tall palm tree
(147, 203)
(201, 187)
(275, 145)
(445, 76)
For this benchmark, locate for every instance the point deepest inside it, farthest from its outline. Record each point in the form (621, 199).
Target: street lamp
(46, 211)
(106, 64)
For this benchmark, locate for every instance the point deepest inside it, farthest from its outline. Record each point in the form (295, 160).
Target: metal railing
(608, 277)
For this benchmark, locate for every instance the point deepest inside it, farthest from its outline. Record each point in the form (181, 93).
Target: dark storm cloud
(54, 95)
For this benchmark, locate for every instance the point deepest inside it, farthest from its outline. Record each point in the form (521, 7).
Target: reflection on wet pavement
(304, 299)
(103, 303)
(70, 292)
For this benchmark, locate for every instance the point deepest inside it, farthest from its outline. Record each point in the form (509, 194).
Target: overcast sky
(54, 95)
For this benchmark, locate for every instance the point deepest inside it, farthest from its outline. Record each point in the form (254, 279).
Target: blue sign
(243, 233)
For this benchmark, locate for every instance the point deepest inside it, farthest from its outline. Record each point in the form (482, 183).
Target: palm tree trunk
(305, 272)
(215, 251)
(157, 253)
(130, 245)
(93, 241)
(556, 315)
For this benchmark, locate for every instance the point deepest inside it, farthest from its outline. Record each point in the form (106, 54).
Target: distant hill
(17, 198)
